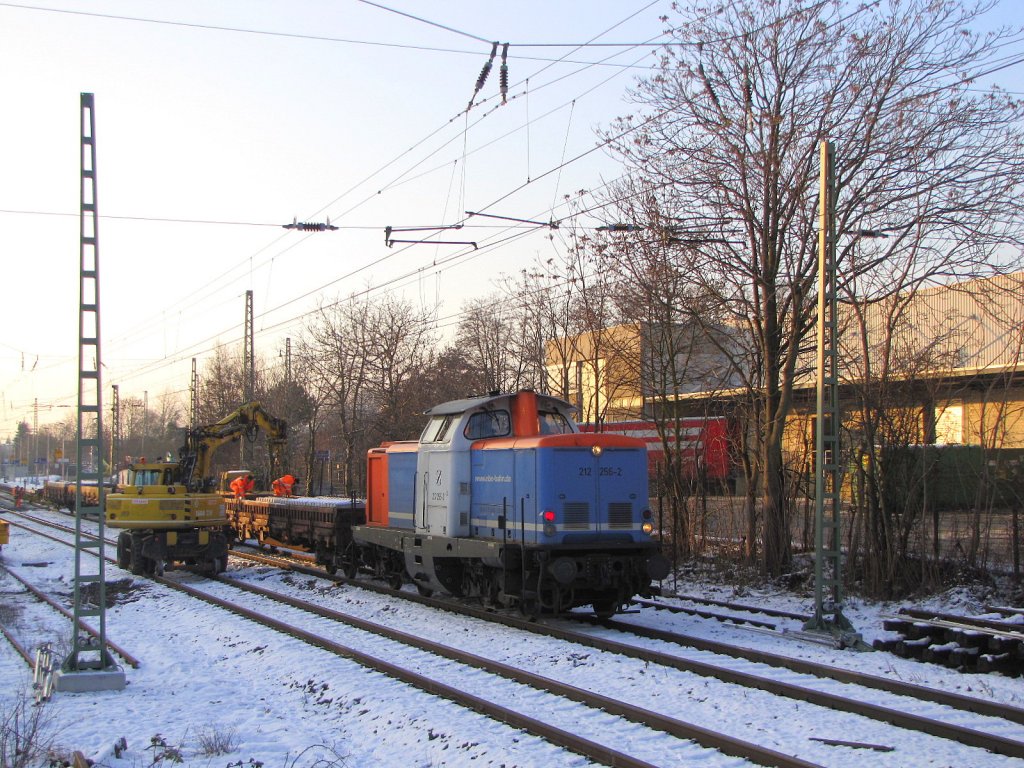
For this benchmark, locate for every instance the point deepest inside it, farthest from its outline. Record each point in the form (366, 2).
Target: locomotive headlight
(647, 528)
(596, 450)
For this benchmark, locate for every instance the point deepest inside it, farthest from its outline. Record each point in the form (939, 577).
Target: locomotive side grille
(620, 514)
(576, 515)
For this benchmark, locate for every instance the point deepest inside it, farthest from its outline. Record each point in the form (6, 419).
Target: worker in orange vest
(19, 494)
(241, 485)
(284, 485)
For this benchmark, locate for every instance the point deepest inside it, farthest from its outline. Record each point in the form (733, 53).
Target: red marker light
(549, 516)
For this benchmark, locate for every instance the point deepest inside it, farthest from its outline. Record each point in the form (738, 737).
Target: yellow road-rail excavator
(170, 514)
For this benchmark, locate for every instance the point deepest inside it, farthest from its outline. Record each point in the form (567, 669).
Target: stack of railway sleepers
(970, 644)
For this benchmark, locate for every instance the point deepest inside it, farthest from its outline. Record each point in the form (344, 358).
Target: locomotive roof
(470, 403)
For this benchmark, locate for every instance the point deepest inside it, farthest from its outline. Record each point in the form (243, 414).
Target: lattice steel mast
(89, 666)
(828, 561)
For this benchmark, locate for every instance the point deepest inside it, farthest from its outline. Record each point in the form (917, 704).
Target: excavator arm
(202, 442)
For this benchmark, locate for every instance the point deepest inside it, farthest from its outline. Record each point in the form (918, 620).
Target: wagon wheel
(350, 561)
(350, 567)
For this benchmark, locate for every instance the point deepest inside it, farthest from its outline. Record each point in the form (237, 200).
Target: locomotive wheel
(605, 609)
(424, 591)
(124, 557)
(395, 581)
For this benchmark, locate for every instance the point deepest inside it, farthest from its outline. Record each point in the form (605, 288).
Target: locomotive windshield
(438, 429)
(553, 423)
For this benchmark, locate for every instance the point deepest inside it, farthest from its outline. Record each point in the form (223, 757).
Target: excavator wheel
(137, 562)
(124, 555)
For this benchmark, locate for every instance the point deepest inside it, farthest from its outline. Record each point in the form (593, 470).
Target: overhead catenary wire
(345, 227)
(212, 284)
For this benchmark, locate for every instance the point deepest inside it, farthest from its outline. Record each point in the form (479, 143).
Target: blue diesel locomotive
(504, 499)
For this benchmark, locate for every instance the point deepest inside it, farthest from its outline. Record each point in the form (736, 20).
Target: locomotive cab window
(438, 429)
(488, 424)
(553, 423)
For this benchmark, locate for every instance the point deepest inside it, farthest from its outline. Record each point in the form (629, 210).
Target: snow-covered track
(765, 680)
(900, 713)
(48, 600)
(731, 605)
(16, 644)
(704, 613)
(596, 702)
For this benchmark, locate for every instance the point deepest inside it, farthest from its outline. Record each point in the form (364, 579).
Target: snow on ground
(210, 679)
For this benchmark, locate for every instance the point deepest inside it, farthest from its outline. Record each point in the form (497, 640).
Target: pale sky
(209, 139)
(209, 125)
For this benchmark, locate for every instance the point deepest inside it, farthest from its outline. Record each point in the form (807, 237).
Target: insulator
(487, 67)
(503, 81)
(483, 75)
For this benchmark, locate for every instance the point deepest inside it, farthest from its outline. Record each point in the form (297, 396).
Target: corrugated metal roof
(960, 328)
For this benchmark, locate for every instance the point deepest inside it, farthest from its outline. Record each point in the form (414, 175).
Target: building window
(949, 424)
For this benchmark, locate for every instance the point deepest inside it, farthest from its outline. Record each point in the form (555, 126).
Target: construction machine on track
(170, 513)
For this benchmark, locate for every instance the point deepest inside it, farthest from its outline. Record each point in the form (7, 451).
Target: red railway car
(703, 444)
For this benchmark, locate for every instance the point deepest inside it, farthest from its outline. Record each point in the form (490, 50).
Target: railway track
(742, 607)
(776, 661)
(594, 703)
(763, 679)
(46, 599)
(745, 616)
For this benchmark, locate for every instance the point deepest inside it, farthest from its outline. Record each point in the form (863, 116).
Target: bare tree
(544, 322)
(364, 359)
(336, 369)
(485, 335)
(737, 109)
(567, 308)
(399, 343)
(220, 384)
